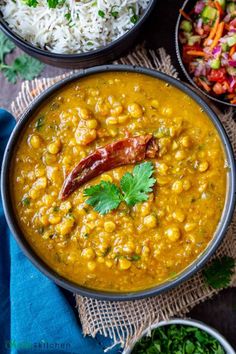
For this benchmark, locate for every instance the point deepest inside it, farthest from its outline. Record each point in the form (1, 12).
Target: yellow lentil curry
(130, 248)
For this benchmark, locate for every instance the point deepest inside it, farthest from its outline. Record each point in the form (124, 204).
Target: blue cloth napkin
(36, 316)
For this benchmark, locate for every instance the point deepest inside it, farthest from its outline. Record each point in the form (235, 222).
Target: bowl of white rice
(74, 33)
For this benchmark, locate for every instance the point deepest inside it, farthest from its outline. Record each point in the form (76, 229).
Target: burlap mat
(123, 321)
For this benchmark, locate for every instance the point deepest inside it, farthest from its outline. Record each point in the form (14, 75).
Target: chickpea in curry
(129, 248)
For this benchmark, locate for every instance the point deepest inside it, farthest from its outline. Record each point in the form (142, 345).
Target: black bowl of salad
(206, 47)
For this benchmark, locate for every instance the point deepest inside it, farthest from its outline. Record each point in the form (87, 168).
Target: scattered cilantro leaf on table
(6, 46)
(23, 66)
(219, 273)
(135, 187)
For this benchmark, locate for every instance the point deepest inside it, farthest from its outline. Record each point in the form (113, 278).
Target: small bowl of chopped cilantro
(180, 336)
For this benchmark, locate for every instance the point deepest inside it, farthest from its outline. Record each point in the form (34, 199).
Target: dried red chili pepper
(122, 152)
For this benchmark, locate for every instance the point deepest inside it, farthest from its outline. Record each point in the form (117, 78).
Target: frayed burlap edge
(125, 321)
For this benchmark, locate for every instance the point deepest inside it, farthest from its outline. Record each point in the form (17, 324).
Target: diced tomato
(218, 89)
(217, 75)
(206, 29)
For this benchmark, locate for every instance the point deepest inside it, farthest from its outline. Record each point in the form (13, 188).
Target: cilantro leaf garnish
(135, 187)
(218, 274)
(104, 197)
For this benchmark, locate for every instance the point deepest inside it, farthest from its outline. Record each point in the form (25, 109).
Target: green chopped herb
(39, 123)
(162, 132)
(114, 12)
(134, 19)
(41, 230)
(68, 16)
(31, 3)
(135, 187)
(26, 201)
(106, 252)
(70, 215)
(101, 13)
(178, 339)
(52, 4)
(135, 257)
(56, 208)
(86, 235)
(218, 275)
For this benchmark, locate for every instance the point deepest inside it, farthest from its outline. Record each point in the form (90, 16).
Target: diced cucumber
(209, 13)
(215, 63)
(231, 71)
(231, 40)
(231, 7)
(186, 26)
(225, 47)
(194, 39)
(222, 3)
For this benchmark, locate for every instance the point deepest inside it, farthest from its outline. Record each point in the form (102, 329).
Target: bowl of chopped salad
(206, 47)
(182, 336)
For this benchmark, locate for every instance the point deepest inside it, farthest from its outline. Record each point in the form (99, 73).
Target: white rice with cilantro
(69, 26)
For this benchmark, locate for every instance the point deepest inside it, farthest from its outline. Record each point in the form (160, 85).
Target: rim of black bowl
(107, 295)
(179, 57)
(84, 55)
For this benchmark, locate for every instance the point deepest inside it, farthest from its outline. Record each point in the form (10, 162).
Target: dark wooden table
(220, 312)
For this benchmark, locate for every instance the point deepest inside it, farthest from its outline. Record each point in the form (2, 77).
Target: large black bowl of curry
(122, 182)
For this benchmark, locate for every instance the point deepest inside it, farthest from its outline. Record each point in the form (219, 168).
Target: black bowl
(187, 7)
(99, 56)
(40, 264)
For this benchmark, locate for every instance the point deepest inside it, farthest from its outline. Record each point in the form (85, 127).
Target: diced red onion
(234, 56)
(199, 23)
(233, 22)
(217, 50)
(224, 59)
(227, 18)
(232, 82)
(225, 56)
(199, 7)
(200, 69)
(232, 63)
